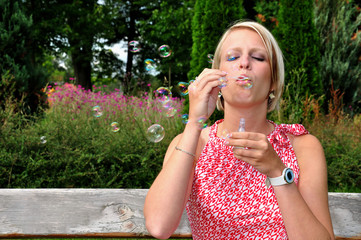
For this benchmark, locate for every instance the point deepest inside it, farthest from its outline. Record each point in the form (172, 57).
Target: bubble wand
(242, 125)
(242, 128)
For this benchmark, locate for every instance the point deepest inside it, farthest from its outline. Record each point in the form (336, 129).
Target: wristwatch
(287, 177)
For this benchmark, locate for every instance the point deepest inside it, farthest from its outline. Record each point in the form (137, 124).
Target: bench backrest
(69, 213)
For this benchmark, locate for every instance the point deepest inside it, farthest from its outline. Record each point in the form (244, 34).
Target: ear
(272, 87)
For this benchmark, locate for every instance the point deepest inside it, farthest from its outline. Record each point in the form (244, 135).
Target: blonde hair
(274, 55)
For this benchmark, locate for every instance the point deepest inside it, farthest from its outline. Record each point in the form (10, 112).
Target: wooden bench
(117, 213)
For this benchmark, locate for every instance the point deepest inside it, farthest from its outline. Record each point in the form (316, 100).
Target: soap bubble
(165, 103)
(97, 111)
(183, 88)
(134, 46)
(232, 55)
(155, 133)
(245, 82)
(163, 93)
(42, 139)
(185, 118)
(210, 58)
(202, 122)
(170, 111)
(115, 126)
(149, 64)
(164, 51)
(223, 82)
(225, 134)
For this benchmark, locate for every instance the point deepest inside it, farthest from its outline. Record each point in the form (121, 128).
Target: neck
(255, 120)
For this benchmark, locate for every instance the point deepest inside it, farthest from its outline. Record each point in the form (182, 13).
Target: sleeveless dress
(229, 198)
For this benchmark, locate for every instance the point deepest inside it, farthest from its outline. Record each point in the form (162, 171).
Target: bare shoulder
(307, 142)
(310, 158)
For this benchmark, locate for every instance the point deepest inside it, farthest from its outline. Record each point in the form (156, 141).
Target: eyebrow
(254, 49)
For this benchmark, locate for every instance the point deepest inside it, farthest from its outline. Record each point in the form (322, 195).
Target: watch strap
(278, 181)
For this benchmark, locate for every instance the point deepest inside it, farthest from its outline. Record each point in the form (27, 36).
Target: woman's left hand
(255, 149)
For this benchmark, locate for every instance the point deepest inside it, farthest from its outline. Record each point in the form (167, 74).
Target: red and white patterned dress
(229, 198)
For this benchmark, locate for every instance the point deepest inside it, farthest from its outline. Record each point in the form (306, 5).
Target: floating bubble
(183, 88)
(191, 81)
(210, 58)
(134, 46)
(232, 55)
(202, 122)
(163, 93)
(115, 126)
(223, 81)
(246, 83)
(225, 134)
(170, 112)
(149, 64)
(42, 139)
(155, 133)
(165, 103)
(97, 111)
(164, 51)
(185, 118)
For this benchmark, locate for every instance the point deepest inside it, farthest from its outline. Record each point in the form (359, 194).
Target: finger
(247, 135)
(210, 76)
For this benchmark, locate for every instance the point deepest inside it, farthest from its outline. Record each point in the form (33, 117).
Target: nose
(244, 63)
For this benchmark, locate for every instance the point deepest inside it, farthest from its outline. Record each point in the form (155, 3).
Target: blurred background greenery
(56, 64)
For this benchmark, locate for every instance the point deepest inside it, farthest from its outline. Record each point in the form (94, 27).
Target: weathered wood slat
(68, 213)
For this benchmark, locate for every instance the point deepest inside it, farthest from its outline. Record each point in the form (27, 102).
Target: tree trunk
(131, 36)
(81, 59)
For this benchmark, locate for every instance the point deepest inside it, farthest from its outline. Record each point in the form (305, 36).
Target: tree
(18, 61)
(210, 20)
(299, 41)
(338, 23)
(170, 24)
(77, 28)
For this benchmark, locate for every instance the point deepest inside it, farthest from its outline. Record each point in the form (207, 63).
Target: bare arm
(305, 208)
(169, 193)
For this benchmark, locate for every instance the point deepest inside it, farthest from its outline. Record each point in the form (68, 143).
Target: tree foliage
(210, 20)
(17, 57)
(340, 68)
(77, 28)
(299, 41)
(169, 25)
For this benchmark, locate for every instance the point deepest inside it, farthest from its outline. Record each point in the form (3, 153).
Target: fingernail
(226, 142)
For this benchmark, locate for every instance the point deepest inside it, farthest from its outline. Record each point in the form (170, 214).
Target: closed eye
(232, 58)
(261, 59)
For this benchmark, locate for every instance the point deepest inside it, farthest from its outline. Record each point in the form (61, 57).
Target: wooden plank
(345, 209)
(69, 213)
(75, 213)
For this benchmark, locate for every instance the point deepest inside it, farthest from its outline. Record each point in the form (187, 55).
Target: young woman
(258, 181)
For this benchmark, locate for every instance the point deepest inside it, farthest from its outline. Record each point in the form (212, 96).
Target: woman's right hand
(203, 93)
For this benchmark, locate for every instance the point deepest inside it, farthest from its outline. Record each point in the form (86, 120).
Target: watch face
(289, 176)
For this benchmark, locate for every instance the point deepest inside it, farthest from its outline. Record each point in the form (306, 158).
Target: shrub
(70, 147)
(338, 23)
(341, 141)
